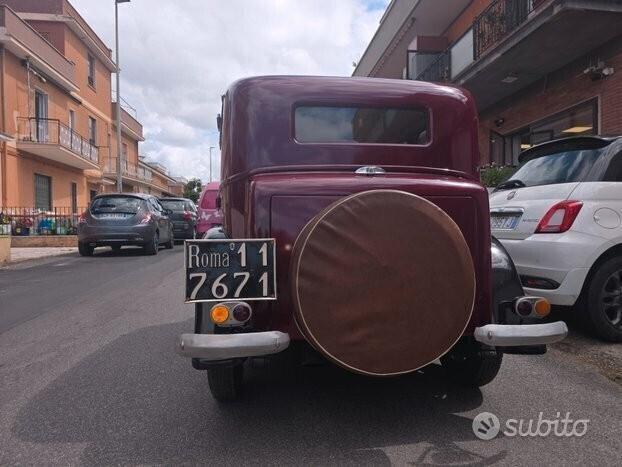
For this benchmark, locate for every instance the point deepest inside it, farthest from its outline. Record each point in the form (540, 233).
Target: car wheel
(225, 383)
(470, 365)
(85, 249)
(116, 248)
(151, 248)
(171, 241)
(604, 301)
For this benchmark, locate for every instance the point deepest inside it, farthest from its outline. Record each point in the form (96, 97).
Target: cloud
(178, 57)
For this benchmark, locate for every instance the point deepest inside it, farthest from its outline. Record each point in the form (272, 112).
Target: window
(93, 131)
(74, 198)
(581, 120)
(41, 116)
(124, 151)
(72, 120)
(461, 53)
(43, 192)
(91, 76)
(315, 124)
(117, 203)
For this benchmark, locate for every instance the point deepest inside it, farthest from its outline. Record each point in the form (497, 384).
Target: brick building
(57, 128)
(538, 69)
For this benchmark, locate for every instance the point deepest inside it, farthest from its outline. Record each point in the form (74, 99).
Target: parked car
(120, 219)
(209, 213)
(359, 201)
(183, 215)
(559, 216)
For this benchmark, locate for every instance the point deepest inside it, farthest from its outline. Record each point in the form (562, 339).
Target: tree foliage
(192, 189)
(492, 175)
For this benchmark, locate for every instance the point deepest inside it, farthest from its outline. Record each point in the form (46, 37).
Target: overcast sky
(179, 56)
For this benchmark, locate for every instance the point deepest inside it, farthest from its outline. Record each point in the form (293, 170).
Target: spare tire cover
(383, 282)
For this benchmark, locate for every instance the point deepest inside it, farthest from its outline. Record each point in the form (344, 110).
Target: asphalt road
(88, 375)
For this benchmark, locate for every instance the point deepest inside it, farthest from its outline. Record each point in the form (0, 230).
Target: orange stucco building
(57, 129)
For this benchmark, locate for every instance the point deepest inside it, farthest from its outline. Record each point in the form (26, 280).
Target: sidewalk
(24, 254)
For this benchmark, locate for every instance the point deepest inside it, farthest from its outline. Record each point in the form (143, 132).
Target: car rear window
(208, 201)
(551, 169)
(125, 204)
(324, 124)
(174, 204)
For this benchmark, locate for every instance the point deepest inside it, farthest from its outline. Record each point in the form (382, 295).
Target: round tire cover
(383, 282)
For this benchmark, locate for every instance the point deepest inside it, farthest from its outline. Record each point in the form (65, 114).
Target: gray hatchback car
(119, 219)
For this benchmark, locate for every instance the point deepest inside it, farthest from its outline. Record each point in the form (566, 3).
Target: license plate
(504, 221)
(113, 215)
(230, 270)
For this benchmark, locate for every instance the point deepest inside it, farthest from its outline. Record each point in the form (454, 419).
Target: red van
(209, 214)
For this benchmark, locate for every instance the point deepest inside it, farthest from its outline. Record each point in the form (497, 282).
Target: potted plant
(23, 226)
(5, 224)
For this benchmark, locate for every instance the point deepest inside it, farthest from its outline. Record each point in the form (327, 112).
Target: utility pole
(116, 38)
(210, 162)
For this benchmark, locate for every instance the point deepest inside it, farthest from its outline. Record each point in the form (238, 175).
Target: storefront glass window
(577, 121)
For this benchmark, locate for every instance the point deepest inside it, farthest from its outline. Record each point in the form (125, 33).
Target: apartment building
(57, 121)
(538, 69)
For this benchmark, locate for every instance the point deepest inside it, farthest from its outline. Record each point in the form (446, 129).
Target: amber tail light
(560, 217)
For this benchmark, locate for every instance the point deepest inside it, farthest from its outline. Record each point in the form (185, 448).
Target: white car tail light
(560, 217)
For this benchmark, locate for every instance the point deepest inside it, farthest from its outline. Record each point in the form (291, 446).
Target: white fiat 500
(559, 216)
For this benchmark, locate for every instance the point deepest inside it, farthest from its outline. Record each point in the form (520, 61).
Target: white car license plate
(504, 221)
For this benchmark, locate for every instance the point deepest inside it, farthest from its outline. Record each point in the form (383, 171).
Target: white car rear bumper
(564, 258)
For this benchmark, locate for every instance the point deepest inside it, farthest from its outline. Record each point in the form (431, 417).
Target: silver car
(119, 219)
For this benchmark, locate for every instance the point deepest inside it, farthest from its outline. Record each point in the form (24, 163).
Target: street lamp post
(118, 116)
(210, 162)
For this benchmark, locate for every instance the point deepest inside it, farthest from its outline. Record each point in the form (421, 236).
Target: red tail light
(82, 218)
(560, 217)
(187, 215)
(146, 219)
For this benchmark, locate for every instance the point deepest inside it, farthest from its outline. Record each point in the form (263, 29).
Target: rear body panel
(293, 199)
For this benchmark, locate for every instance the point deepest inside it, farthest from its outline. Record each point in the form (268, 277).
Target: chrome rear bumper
(510, 335)
(225, 346)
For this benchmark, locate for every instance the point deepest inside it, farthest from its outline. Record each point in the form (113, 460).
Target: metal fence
(438, 71)
(498, 20)
(26, 221)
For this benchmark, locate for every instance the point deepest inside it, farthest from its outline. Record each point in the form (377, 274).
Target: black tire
(470, 365)
(85, 249)
(116, 248)
(225, 383)
(151, 248)
(604, 301)
(171, 241)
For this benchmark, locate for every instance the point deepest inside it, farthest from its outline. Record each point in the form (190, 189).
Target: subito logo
(486, 425)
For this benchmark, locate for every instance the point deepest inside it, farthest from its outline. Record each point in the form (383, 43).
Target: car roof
(129, 195)
(569, 143)
(175, 199)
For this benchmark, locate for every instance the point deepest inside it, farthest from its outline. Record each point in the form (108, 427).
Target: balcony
(24, 42)
(129, 171)
(55, 141)
(514, 43)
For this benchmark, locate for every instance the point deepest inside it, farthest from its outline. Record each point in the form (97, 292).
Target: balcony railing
(498, 20)
(53, 132)
(128, 169)
(438, 71)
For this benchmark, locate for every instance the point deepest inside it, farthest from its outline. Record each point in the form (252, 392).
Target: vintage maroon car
(355, 224)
